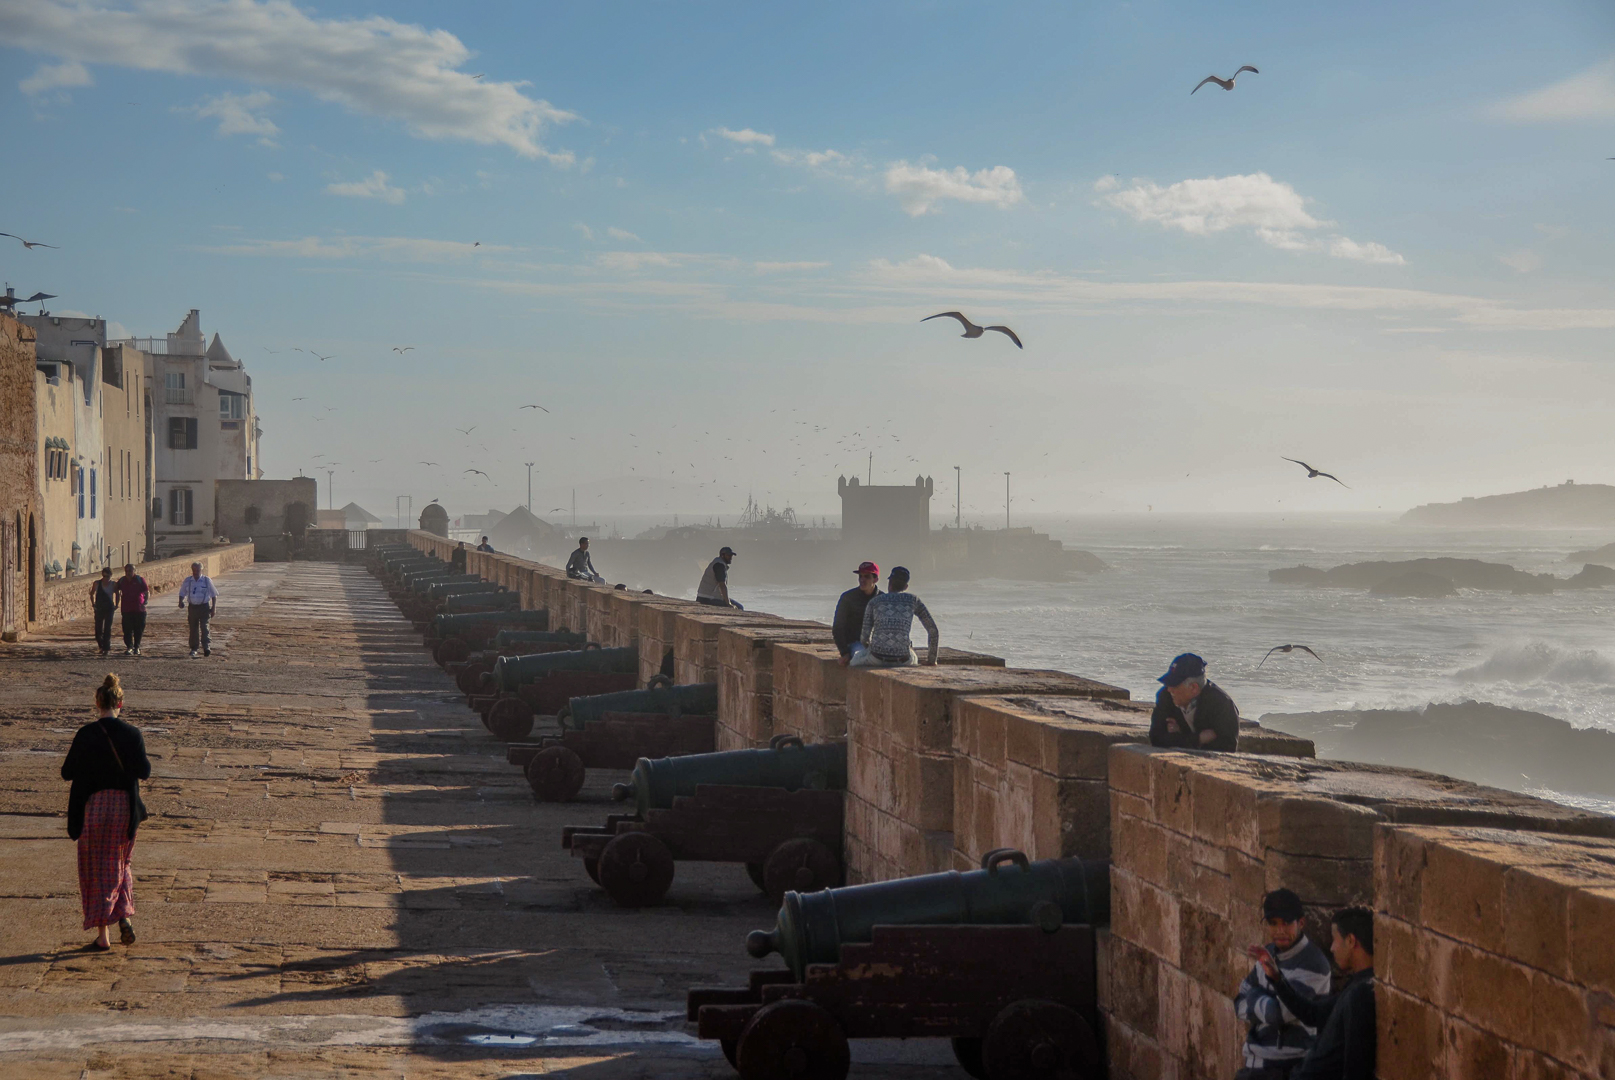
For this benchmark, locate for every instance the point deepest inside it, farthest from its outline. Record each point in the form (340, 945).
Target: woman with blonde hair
(105, 764)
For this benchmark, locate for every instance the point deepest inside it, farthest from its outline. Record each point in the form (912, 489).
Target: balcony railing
(160, 346)
(177, 395)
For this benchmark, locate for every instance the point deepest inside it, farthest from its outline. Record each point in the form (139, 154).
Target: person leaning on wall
(1191, 711)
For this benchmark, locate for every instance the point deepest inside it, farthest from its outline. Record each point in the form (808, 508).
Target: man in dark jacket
(1346, 1040)
(848, 626)
(1191, 712)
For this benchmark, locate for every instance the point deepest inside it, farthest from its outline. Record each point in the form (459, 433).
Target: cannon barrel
(515, 639)
(402, 570)
(510, 672)
(436, 590)
(786, 764)
(694, 698)
(812, 927)
(464, 603)
(531, 619)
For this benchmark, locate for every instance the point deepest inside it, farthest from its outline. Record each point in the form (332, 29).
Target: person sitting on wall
(714, 588)
(1345, 1047)
(457, 559)
(1191, 712)
(580, 567)
(1275, 1040)
(485, 546)
(848, 626)
(888, 620)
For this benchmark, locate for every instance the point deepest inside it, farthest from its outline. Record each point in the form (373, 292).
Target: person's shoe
(193, 654)
(129, 650)
(126, 931)
(207, 652)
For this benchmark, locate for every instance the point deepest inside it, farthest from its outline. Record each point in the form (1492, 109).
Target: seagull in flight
(466, 430)
(1313, 474)
(1290, 649)
(429, 463)
(299, 399)
(533, 407)
(312, 353)
(1228, 83)
(480, 473)
(29, 244)
(971, 329)
(405, 349)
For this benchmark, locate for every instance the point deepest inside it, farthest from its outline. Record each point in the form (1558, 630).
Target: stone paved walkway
(341, 876)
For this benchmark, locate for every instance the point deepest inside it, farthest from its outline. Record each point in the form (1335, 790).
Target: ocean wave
(1540, 661)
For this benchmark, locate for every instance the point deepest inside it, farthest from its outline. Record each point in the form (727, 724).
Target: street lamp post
(529, 465)
(330, 499)
(958, 497)
(1006, 502)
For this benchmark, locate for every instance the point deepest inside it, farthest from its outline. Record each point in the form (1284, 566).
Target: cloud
(276, 177)
(374, 186)
(745, 136)
(634, 260)
(385, 248)
(48, 77)
(812, 159)
(919, 188)
(236, 115)
(621, 234)
(1587, 96)
(786, 267)
(586, 232)
(1523, 261)
(374, 65)
(1270, 208)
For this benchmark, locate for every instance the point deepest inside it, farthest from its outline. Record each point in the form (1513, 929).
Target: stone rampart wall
(70, 598)
(1495, 911)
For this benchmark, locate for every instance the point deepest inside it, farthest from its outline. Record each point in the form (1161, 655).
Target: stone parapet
(900, 757)
(1197, 839)
(746, 678)
(695, 640)
(1494, 953)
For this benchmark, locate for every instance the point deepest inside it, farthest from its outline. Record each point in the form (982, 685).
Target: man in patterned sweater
(1276, 1041)
(887, 622)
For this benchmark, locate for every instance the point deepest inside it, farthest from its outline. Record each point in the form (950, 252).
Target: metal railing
(160, 346)
(356, 539)
(177, 395)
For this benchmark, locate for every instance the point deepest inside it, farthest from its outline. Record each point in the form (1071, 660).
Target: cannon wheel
(801, 865)
(792, 1038)
(636, 869)
(592, 868)
(1034, 1040)
(728, 1047)
(510, 719)
(452, 650)
(469, 677)
(967, 1052)
(555, 774)
(754, 870)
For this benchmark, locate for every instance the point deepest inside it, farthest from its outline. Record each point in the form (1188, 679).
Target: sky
(703, 237)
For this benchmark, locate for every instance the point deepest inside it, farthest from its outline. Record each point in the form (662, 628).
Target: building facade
(69, 349)
(21, 576)
(204, 430)
(126, 454)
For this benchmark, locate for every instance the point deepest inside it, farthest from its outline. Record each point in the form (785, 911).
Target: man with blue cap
(1192, 712)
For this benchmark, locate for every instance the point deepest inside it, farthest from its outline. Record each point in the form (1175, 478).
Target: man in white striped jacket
(1276, 1041)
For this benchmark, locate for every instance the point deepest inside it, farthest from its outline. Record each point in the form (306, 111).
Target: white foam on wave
(1541, 662)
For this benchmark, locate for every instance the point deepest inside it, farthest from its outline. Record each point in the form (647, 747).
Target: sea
(1181, 583)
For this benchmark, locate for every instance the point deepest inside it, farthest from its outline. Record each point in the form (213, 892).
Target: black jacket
(1345, 1046)
(92, 766)
(1214, 711)
(848, 626)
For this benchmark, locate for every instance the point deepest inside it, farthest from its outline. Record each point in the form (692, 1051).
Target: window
(182, 432)
(179, 506)
(78, 486)
(232, 406)
(175, 385)
(92, 494)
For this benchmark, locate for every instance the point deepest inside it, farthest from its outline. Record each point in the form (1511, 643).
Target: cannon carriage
(1000, 960)
(779, 812)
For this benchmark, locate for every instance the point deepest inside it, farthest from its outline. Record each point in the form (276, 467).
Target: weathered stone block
(1464, 896)
(1411, 1043)
(1134, 991)
(1324, 883)
(1145, 915)
(1489, 991)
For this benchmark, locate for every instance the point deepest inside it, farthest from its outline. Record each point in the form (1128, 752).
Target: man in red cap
(849, 621)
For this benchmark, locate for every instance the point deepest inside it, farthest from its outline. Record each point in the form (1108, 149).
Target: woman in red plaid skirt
(106, 763)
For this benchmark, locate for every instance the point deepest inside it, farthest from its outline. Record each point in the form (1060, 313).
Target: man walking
(198, 591)
(1275, 1041)
(714, 588)
(848, 626)
(580, 567)
(1192, 712)
(132, 596)
(104, 600)
(888, 620)
(1346, 1041)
